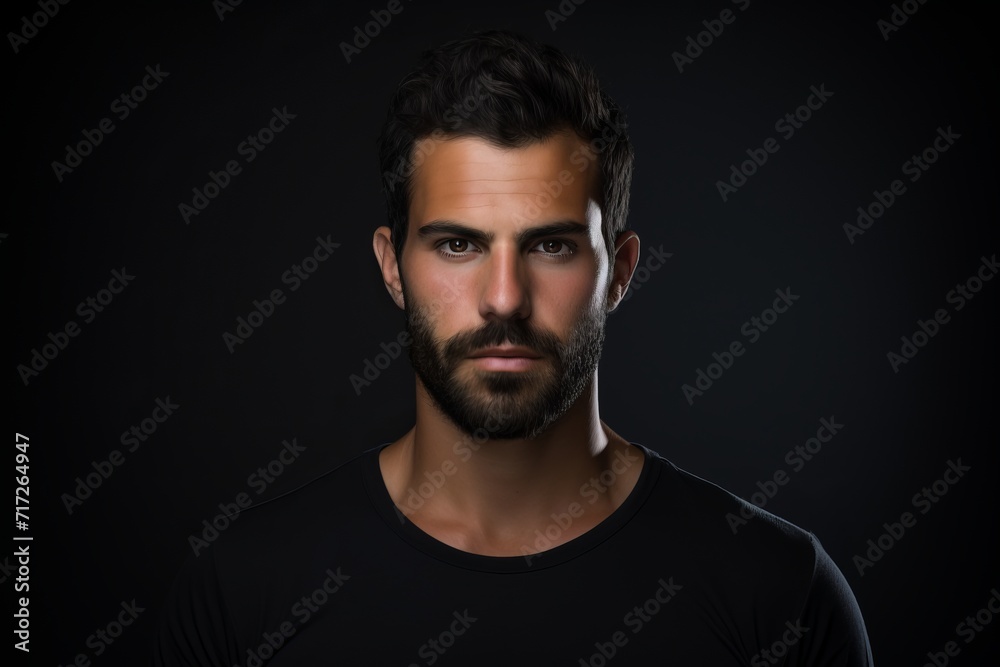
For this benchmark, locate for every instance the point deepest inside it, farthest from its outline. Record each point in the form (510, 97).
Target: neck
(491, 495)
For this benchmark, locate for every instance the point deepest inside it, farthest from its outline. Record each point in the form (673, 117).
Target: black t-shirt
(334, 574)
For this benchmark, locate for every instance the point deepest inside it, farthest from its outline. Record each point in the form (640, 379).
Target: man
(510, 525)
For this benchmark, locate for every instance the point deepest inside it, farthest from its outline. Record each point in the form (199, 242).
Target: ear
(385, 254)
(626, 259)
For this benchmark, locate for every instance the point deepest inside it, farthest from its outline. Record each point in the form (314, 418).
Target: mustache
(502, 332)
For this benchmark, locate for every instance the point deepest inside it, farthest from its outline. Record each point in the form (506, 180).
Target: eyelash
(569, 246)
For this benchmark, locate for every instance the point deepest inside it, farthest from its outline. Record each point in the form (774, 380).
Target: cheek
(562, 300)
(432, 289)
(444, 302)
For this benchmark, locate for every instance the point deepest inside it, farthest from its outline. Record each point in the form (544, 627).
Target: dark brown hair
(512, 92)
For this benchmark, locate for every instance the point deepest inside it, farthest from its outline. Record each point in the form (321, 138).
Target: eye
(455, 247)
(556, 248)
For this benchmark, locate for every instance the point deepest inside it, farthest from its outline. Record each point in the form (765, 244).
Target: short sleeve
(831, 631)
(194, 628)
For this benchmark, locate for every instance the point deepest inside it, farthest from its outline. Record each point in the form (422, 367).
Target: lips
(506, 351)
(506, 358)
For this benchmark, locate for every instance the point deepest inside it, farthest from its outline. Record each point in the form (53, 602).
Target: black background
(825, 357)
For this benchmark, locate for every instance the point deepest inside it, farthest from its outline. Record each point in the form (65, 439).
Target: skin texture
(548, 293)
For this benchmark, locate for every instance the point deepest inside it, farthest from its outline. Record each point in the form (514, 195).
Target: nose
(505, 285)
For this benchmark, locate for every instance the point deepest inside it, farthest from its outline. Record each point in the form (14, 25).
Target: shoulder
(757, 565)
(717, 512)
(318, 507)
(736, 539)
(272, 551)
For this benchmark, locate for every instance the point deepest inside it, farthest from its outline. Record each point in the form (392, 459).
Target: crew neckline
(413, 535)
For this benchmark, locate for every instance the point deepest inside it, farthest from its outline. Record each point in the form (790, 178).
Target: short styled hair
(512, 92)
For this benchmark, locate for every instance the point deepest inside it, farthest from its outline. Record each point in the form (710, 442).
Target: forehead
(472, 179)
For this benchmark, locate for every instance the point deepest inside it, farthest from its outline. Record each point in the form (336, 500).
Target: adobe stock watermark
(923, 500)
(381, 18)
(713, 30)
(87, 309)
(223, 7)
(562, 12)
(453, 117)
(655, 260)
(133, 438)
(593, 490)
(258, 480)
(248, 149)
(435, 647)
(294, 276)
(796, 458)
(898, 17)
(962, 293)
(753, 329)
(787, 126)
(22, 617)
(915, 167)
(103, 638)
(581, 158)
(372, 368)
(122, 107)
(968, 629)
(302, 611)
(776, 652)
(635, 621)
(436, 478)
(31, 24)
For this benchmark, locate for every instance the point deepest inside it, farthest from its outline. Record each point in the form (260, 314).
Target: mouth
(507, 352)
(509, 358)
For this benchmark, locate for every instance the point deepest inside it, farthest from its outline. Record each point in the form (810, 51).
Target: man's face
(479, 271)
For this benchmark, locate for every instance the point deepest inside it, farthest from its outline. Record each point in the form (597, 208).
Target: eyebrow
(561, 227)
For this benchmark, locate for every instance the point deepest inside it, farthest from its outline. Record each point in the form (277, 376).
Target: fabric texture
(683, 572)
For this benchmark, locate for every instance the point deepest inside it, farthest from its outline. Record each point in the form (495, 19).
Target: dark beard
(505, 405)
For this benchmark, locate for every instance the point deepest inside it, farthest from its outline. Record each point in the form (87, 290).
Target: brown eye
(458, 245)
(552, 246)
